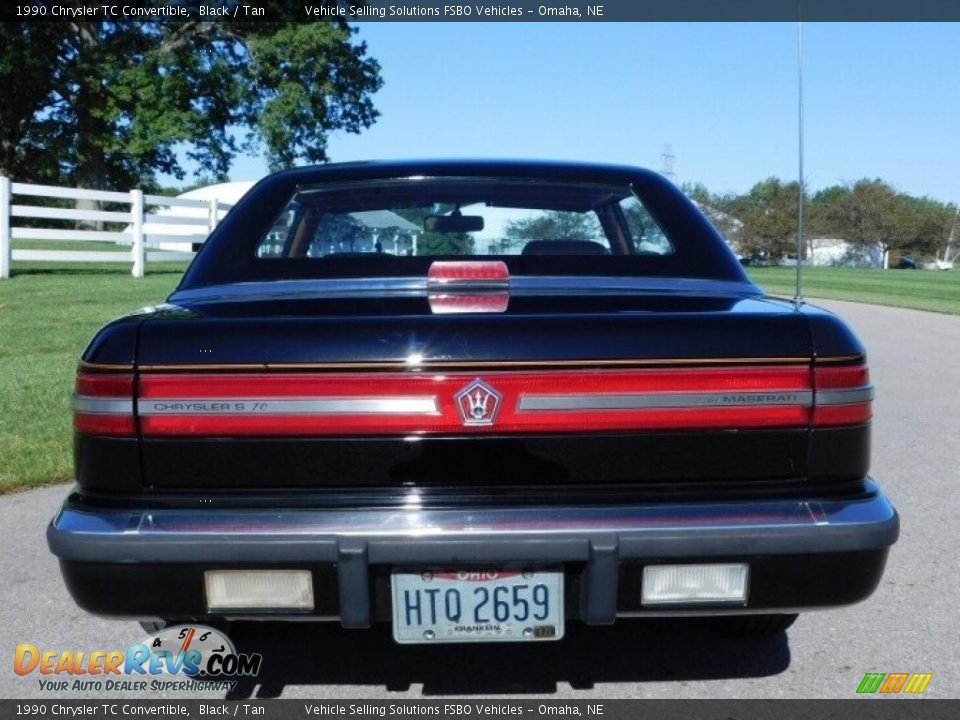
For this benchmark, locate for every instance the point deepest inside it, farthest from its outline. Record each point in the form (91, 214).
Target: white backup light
(259, 589)
(681, 584)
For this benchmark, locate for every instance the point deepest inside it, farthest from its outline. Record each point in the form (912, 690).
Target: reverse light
(258, 590)
(686, 584)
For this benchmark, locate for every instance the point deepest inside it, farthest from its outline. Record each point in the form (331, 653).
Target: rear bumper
(803, 554)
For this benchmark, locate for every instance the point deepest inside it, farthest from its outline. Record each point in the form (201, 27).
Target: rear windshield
(328, 223)
(462, 216)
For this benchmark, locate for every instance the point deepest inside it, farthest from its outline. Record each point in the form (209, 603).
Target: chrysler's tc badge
(478, 403)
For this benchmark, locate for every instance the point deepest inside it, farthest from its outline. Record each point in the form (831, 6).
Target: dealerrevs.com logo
(894, 683)
(183, 657)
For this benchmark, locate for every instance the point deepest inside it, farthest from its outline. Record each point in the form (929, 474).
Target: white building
(835, 252)
(164, 225)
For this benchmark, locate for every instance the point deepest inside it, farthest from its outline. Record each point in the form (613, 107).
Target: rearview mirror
(453, 223)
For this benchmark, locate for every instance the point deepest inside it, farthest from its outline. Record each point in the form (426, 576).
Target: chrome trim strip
(425, 405)
(417, 286)
(467, 286)
(851, 396)
(101, 405)
(592, 285)
(303, 289)
(492, 365)
(647, 401)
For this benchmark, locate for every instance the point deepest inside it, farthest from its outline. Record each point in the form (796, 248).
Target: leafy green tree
(768, 213)
(28, 135)
(434, 243)
(697, 192)
(554, 225)
(111, 105)
(829, 195)
(925, 227)
(871, 212)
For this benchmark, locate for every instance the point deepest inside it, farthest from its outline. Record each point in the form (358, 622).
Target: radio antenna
(798, 298)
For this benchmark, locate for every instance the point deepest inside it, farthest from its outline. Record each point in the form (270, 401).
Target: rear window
(394, 220)
(421, 217)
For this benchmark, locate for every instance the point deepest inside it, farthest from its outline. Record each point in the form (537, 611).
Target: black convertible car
(478, 401)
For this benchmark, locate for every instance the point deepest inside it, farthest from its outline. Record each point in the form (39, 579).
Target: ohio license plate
(460, 606)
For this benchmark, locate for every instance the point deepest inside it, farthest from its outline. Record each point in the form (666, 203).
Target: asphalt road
(909, 625)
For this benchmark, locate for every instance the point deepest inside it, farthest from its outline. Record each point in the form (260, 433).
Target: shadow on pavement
(630, 651)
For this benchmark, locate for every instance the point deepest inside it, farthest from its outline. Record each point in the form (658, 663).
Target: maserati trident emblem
(478, 403)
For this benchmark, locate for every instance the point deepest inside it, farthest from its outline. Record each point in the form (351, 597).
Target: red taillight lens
(842, 396)
(103, 405)
(111, 386)
(424, 403)
(274, 404)
(451, 272)
(841, 378)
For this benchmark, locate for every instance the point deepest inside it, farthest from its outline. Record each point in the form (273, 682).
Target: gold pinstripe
(477, 364)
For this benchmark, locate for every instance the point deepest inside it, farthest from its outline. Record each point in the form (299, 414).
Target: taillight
(103, 404)
(275, 404)
(402, 403)
(842, 395)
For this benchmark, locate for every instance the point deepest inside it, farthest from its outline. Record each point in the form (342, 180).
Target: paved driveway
(910, 624)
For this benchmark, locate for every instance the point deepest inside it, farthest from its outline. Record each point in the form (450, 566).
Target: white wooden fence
(144, 233)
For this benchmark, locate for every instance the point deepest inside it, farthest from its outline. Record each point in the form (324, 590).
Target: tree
(697, 192)
(871, 212)
(111, 105)
(925, 227)
(435, 243)
(28, 52)
(769, 216)
(554, 225)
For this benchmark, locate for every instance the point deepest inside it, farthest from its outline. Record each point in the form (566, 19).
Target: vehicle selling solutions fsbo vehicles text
(461, 11)
(447, 710)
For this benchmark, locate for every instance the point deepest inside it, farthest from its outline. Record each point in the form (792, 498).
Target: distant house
(165, 235)
(835, 252)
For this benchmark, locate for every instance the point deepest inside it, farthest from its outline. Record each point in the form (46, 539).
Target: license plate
(461, 606)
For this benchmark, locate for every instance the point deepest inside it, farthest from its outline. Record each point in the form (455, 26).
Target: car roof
(560, 170)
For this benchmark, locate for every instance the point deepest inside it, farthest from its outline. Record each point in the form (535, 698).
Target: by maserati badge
(478, 403)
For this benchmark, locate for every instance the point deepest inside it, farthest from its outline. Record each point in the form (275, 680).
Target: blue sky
(882, 99)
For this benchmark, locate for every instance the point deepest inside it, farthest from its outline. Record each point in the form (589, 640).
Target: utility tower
(667, 159)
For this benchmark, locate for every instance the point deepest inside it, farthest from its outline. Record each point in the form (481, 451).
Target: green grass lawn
(67, 245)
(934, 290)
(48, 313)
(74, 245)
